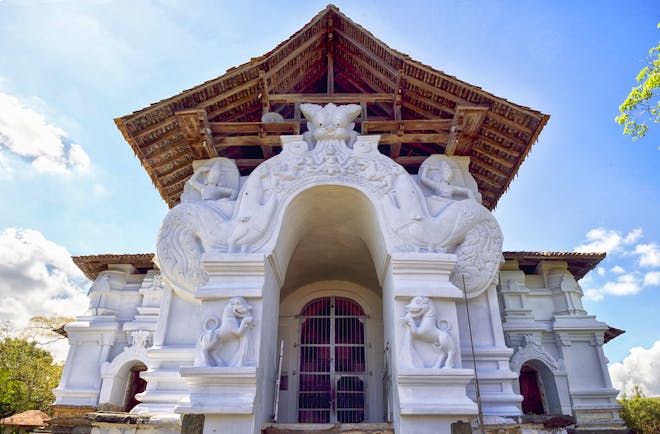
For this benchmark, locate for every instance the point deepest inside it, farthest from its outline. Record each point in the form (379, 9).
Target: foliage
(27, 377)
(642, 105)
(46, 329)
(640, 413)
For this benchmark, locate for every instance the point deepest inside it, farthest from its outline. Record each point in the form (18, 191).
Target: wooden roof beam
(465, 126)
(282, 63)
(323, 98)
(502, 161)
(368, 52)
(194, 125)
(367, 66)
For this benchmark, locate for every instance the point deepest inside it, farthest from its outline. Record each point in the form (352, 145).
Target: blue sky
(69, 183)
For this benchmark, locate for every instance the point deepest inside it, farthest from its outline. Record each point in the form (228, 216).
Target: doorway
(332, 362)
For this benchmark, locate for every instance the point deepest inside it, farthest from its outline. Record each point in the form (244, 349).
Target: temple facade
(330, 259)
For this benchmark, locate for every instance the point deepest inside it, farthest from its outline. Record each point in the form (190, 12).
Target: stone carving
(98, 294)
(141, 338)
(443, 222)
(441, 213)
(532, 349)
(421, 325)
(330, 122)
(228, 342)
(215, 179)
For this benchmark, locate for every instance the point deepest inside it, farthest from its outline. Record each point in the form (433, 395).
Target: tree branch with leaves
(642, 105)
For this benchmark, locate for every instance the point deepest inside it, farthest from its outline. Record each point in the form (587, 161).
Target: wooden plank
(368, 52)
(255, 82)
(234, 105)
(441, 125)
(505, 136)
(337, 98)
(254, 127)
(512, 124)
(357, 60)
(489, 168)
(298, 71)
(390, 139)
(158, 126)
(493, 144)
(282, 63)
(411, 161)
(224, 142)
(504, 162)
(486, 180)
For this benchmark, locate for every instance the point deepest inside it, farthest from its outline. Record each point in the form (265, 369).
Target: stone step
(328, 428)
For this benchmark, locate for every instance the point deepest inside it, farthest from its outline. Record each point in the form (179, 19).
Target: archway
(538, 387)
(331, 309)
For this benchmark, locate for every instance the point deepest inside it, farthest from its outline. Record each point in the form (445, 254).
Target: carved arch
(115, 376)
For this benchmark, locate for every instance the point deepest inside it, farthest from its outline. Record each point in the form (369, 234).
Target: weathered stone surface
(192, 424)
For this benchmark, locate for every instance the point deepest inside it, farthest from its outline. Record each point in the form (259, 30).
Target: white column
(427, 396)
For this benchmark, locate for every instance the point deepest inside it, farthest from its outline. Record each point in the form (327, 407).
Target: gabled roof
(418, 110)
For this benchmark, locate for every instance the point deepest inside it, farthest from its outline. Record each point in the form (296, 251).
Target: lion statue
(228, 342)
(422, 325)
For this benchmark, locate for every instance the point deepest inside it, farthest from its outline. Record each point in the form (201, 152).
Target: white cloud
(652, 278)
(38, 277)
(26, 134)
(602, 271)
(625, 284)
(641, 367)
(617, 269)
(649, 254)
(605, 240)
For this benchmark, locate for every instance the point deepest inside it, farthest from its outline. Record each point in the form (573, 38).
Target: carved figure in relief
(330, 122)
(257, 205)
(141, 338)
(228, 342)
(421, 324)
(442, 222)
(215, 179)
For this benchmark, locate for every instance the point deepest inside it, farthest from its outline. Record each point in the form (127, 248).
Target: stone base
(428, 391)
(219, 390)
(70, 419)
(328, 428)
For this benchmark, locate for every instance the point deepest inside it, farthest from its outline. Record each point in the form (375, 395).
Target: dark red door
(332, 383)
(530, 389)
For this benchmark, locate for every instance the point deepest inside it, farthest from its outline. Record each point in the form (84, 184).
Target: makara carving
(421, 326)
(442, 216)
(228, 342)
(440, 213)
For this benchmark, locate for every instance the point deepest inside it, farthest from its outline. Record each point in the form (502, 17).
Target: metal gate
(332, 382)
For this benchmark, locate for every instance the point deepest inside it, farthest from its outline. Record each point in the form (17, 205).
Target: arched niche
(551, 374)
(121, 381)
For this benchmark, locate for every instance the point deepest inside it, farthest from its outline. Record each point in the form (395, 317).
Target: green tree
(640, 413)
(642, 105)
(27, 376)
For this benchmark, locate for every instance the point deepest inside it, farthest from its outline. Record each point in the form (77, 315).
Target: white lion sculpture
(228, 342)
(430, 331)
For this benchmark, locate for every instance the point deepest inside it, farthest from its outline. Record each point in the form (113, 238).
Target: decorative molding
(532, 349)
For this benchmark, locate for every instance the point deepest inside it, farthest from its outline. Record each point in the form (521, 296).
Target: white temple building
(330, 258)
